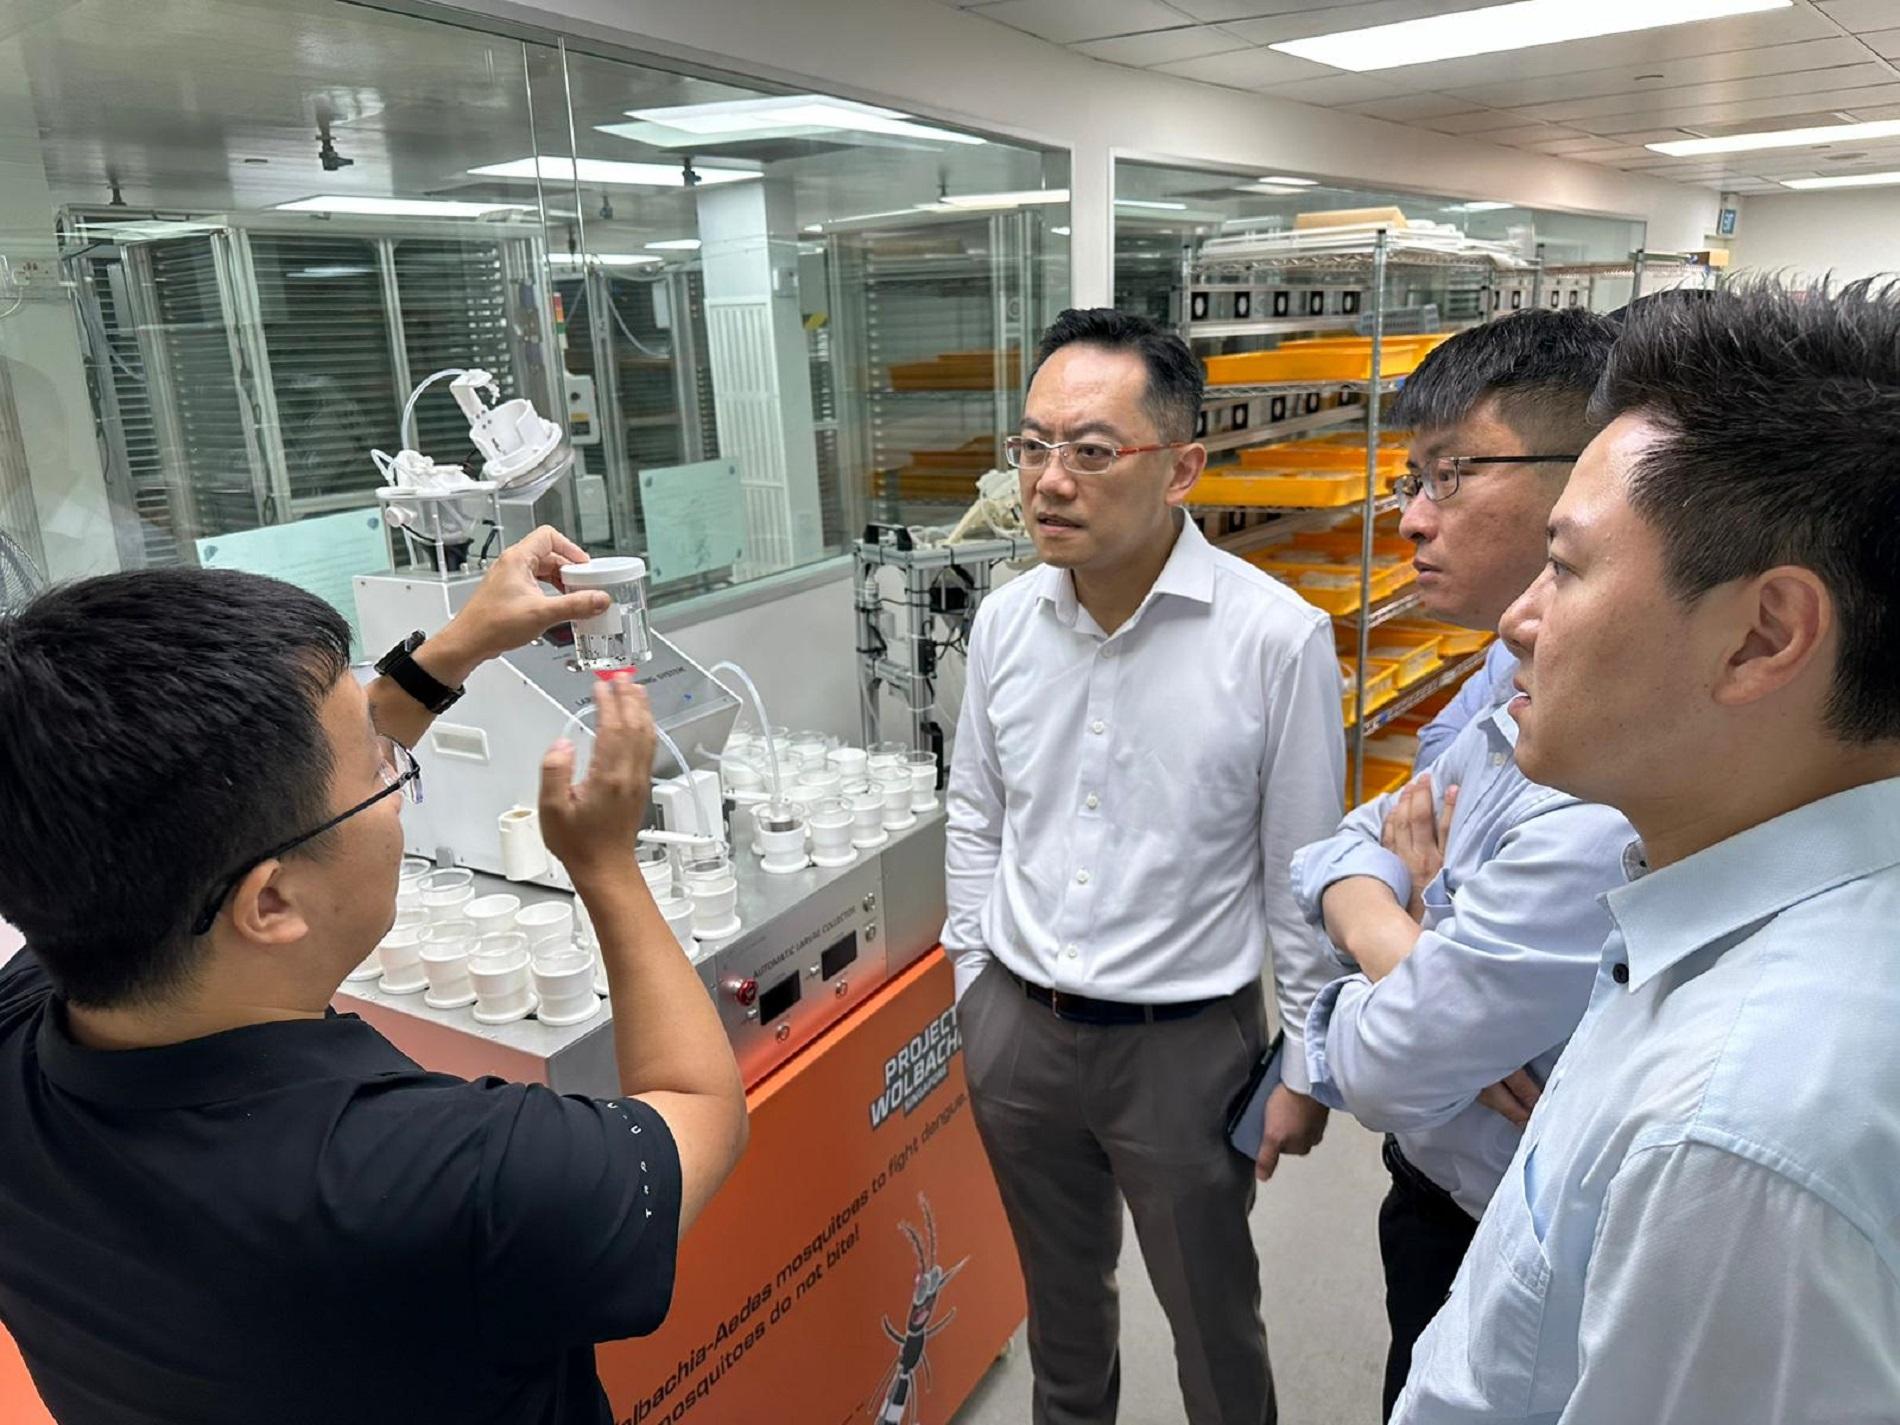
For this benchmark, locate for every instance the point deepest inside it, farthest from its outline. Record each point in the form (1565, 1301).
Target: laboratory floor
(1316, 1227)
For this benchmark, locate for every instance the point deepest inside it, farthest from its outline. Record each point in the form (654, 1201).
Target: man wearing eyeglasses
(1468, 902)
(221, 1203)
(1149, 728)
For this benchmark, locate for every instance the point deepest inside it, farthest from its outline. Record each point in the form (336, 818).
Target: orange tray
(1418, 654)
(1453, 641)
(1321, 359)
(1382, 776)
(1233, 486)
(1381, 686)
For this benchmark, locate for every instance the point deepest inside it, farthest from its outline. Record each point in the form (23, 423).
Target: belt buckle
(1055, 1004)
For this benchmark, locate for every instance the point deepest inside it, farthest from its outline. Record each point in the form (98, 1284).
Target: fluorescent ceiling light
(1004, 200)
(1281, 180)
(1496, 28)
(597, 170)
(604, 259)
(400, 207)
(1269, 190)
(796, 111)
(1845, 180)
(675, 245)
(1483, 206)
(1060, 232)
(1780, 138)
(1140, 203)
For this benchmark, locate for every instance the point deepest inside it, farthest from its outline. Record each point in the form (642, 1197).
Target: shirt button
(1081, 878)
(1620, 973)
(1072, 952)
(1093, 802)
(1497, 759)
(1098, 727)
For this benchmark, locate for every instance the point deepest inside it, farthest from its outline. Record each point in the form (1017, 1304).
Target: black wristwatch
(400, 667)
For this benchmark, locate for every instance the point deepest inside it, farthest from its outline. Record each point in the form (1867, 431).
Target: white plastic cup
(524, 855)
(738, 772)
(656, 865)
(493, 914)
(443, 893)
(564, 987)
(780, 827)
(584, 934)
(400, 954)
(923, 781)
(369, 969)
(620, 637)
(830, 823)
(678, 908)
(852, 764)
(810, 750)
(409, 882)
(498, 968)
(867, 820)
(446, 946)
(715, 900)
(893, 783)
(816, 786)
(546, 924)
(705, 866)
(887, 754)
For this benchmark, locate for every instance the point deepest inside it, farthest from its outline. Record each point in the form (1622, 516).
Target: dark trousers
(1423, 1234)
(1077, 1119)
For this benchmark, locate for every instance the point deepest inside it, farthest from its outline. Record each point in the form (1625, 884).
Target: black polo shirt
(293, 1222)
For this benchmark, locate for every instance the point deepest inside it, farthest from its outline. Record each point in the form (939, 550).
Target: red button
(745, 991)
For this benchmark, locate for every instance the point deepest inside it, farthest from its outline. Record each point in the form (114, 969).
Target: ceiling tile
(1859, 16)
(1528, 134)
(1804, 107)
(1575, 148)
(1413, 108)
(1162, 46)
(1885, 43)
(1255, 69)
(1066, 21)
(1478, 122)
(1334, 90)
(1240, 9)
(1811, 85)
(1688, 69)
(1298, 22)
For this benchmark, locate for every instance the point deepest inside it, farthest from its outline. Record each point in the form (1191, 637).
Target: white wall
(958, 67)
(1850, 234)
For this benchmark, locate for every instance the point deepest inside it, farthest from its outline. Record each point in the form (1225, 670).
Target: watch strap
(400, 667)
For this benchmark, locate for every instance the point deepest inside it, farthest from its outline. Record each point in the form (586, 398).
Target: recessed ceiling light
(1844, 180)
(400, 207)
(1779, 138)
(1268, 190)
(1497, 28)
(1003, 200)
(1284, 181)
(675, 245)
(597, 170)
(1143, 203)
(1060, 232)
(1482, 206)
(796, 111)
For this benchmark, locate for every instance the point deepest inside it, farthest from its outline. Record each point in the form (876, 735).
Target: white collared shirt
(1123, 808)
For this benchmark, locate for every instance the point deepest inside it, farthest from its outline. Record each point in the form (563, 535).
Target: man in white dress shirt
(1150, 729)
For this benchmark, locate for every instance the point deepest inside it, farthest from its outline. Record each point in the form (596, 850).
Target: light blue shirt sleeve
(1501, 977)
(1476, 697)
(1354, 850)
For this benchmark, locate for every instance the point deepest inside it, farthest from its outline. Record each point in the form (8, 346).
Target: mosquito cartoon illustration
(898, 1390)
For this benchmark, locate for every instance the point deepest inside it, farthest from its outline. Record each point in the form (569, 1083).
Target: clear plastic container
(620, 637)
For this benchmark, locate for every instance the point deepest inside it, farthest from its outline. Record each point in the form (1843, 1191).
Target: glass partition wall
(238, 235)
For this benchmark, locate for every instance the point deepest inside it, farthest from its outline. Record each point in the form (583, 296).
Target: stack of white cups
(498, 969)
(446, 945)
(400, 955)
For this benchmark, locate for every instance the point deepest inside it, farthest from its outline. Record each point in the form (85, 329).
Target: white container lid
(603, 573)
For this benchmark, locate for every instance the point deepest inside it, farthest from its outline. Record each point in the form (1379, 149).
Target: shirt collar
(1671, 913)
(237, 1063)
(1188, 574)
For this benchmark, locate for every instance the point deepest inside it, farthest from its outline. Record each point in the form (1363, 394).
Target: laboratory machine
(798, 875)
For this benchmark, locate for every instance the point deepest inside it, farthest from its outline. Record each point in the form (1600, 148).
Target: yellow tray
(1453, 641)
(1417, 654)
(1330, 586)
(1318, 492)
(1344, 546)
(1382, 776)
(1321, 359)
(1309, 455)
(1380, 686)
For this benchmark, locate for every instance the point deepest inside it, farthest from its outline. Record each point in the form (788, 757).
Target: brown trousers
(1078, 1117)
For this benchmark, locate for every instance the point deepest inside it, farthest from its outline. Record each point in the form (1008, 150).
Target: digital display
(778, 999)
(839, 955)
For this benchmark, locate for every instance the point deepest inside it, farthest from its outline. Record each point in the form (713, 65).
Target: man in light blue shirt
(1702, 1222)
(1473, 971)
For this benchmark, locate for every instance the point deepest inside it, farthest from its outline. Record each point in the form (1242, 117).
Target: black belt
(1406, 1173)
(1081, 1009)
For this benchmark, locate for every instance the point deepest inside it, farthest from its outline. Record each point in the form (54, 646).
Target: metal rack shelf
(1265, 326)
(1357, 261)
(1289, 429)
(1454, 673)
(1396, 606)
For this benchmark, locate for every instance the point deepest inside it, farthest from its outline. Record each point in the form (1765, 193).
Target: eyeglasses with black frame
(1438, 482)
(1082, 457)
(401, 773)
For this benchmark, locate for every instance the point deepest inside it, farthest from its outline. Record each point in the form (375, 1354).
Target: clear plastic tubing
(406, 430)
(586, 710)
(777, 788)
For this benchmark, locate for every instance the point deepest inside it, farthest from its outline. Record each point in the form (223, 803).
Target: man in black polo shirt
(221, 1202)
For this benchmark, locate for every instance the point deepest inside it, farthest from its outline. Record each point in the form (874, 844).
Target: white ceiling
(1598, 101)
